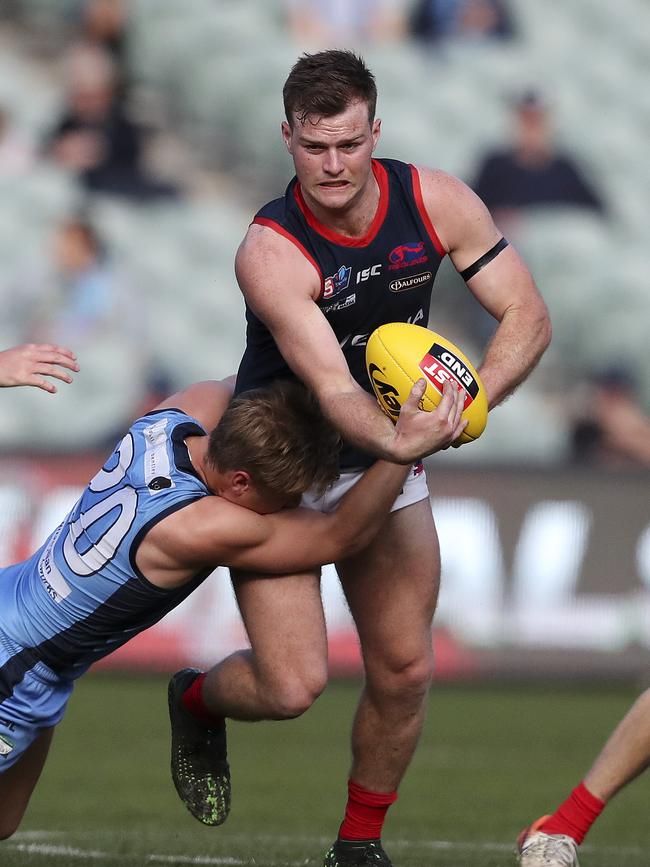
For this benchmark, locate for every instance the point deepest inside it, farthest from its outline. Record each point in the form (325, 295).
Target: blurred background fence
(544, 573)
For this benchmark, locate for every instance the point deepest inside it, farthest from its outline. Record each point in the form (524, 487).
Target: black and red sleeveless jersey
(385, 276)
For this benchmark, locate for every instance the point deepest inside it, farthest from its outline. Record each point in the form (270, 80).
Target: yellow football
(398, 354)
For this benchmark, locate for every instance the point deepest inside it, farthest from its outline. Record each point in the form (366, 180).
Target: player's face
(238, 487)
(332, 155)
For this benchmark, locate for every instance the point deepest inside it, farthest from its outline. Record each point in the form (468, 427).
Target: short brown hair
(279, 435)
(324, 84)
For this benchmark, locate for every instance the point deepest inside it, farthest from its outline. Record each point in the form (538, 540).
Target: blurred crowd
(111, 138)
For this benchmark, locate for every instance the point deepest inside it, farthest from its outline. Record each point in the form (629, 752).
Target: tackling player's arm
(503, 285)
(213, 531)
(281, 286)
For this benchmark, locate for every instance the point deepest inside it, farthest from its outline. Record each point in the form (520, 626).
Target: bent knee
(293, 696)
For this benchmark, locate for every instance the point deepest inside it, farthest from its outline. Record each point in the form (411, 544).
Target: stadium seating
(218, 68)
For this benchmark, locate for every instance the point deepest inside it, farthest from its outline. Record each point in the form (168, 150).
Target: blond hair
(279, 435)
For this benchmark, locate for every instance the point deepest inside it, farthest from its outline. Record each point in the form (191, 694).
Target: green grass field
(490, 760)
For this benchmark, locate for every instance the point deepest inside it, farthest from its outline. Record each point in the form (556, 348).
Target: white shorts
(415, 489)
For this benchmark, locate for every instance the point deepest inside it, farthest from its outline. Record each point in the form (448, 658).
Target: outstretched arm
(214, 531)
(298, 540)
(30, 363)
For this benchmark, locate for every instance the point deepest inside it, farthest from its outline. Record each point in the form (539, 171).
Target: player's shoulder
(267, 247)
(270, 258)
(204, 402)
(451, 204)
(163, 418)
(443, 185)
(159, 431)
(260, 238)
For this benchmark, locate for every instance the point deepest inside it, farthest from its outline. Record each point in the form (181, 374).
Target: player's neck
(353, 221)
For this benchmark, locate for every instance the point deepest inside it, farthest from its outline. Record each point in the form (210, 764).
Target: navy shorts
(36, 703)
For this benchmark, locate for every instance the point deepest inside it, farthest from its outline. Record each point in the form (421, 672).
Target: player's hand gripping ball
(398, 354)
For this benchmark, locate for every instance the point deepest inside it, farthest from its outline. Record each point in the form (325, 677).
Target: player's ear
(240, 481)
(286, 134)
(376, 131)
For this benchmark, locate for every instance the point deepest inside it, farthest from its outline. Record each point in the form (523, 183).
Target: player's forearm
(302, 539)
(363, 509)
(358, 418)
(517, 346)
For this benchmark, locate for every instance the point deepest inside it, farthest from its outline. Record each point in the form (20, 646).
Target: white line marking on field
(193, 859)
(90, 854)
(209, 859)
(50, 849)
(75, 852)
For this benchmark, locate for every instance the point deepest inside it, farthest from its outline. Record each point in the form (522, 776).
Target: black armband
(471, 270)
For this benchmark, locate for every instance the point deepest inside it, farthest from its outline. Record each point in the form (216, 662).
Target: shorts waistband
(30, 659)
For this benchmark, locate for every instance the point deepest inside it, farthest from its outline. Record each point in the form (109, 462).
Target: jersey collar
(381, 176)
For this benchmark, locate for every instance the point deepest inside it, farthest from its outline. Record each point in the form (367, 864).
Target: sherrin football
(398, 354)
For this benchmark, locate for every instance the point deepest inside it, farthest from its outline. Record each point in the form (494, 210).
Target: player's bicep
(295, 540)
(491, 267)
(281, 286)
(210, 532)
(214, 531)
(462, 221)
(504, 283)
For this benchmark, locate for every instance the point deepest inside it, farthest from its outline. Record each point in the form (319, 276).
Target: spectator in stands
(16, 152)
(77, 297)
(532, 171)
(104, 23)
(612, 430)
(321, 23)
(435, 20)
(95, 138)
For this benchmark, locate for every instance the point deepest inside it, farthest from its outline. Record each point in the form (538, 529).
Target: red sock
(364, 813)
(192, 701)
(576, 815)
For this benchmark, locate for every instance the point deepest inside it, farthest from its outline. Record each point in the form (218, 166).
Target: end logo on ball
(398, 354)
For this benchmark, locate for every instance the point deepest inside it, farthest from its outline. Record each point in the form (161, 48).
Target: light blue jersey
(81, 595)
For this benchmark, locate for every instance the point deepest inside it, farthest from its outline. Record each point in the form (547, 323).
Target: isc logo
(367, 273)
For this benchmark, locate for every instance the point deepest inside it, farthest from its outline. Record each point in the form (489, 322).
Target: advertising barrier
(545, 572)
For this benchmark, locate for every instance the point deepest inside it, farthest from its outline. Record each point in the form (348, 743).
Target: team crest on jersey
(337, 283)
(407, 255)
(6, 745)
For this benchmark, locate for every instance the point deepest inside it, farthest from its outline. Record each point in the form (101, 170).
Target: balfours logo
(402, 284)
